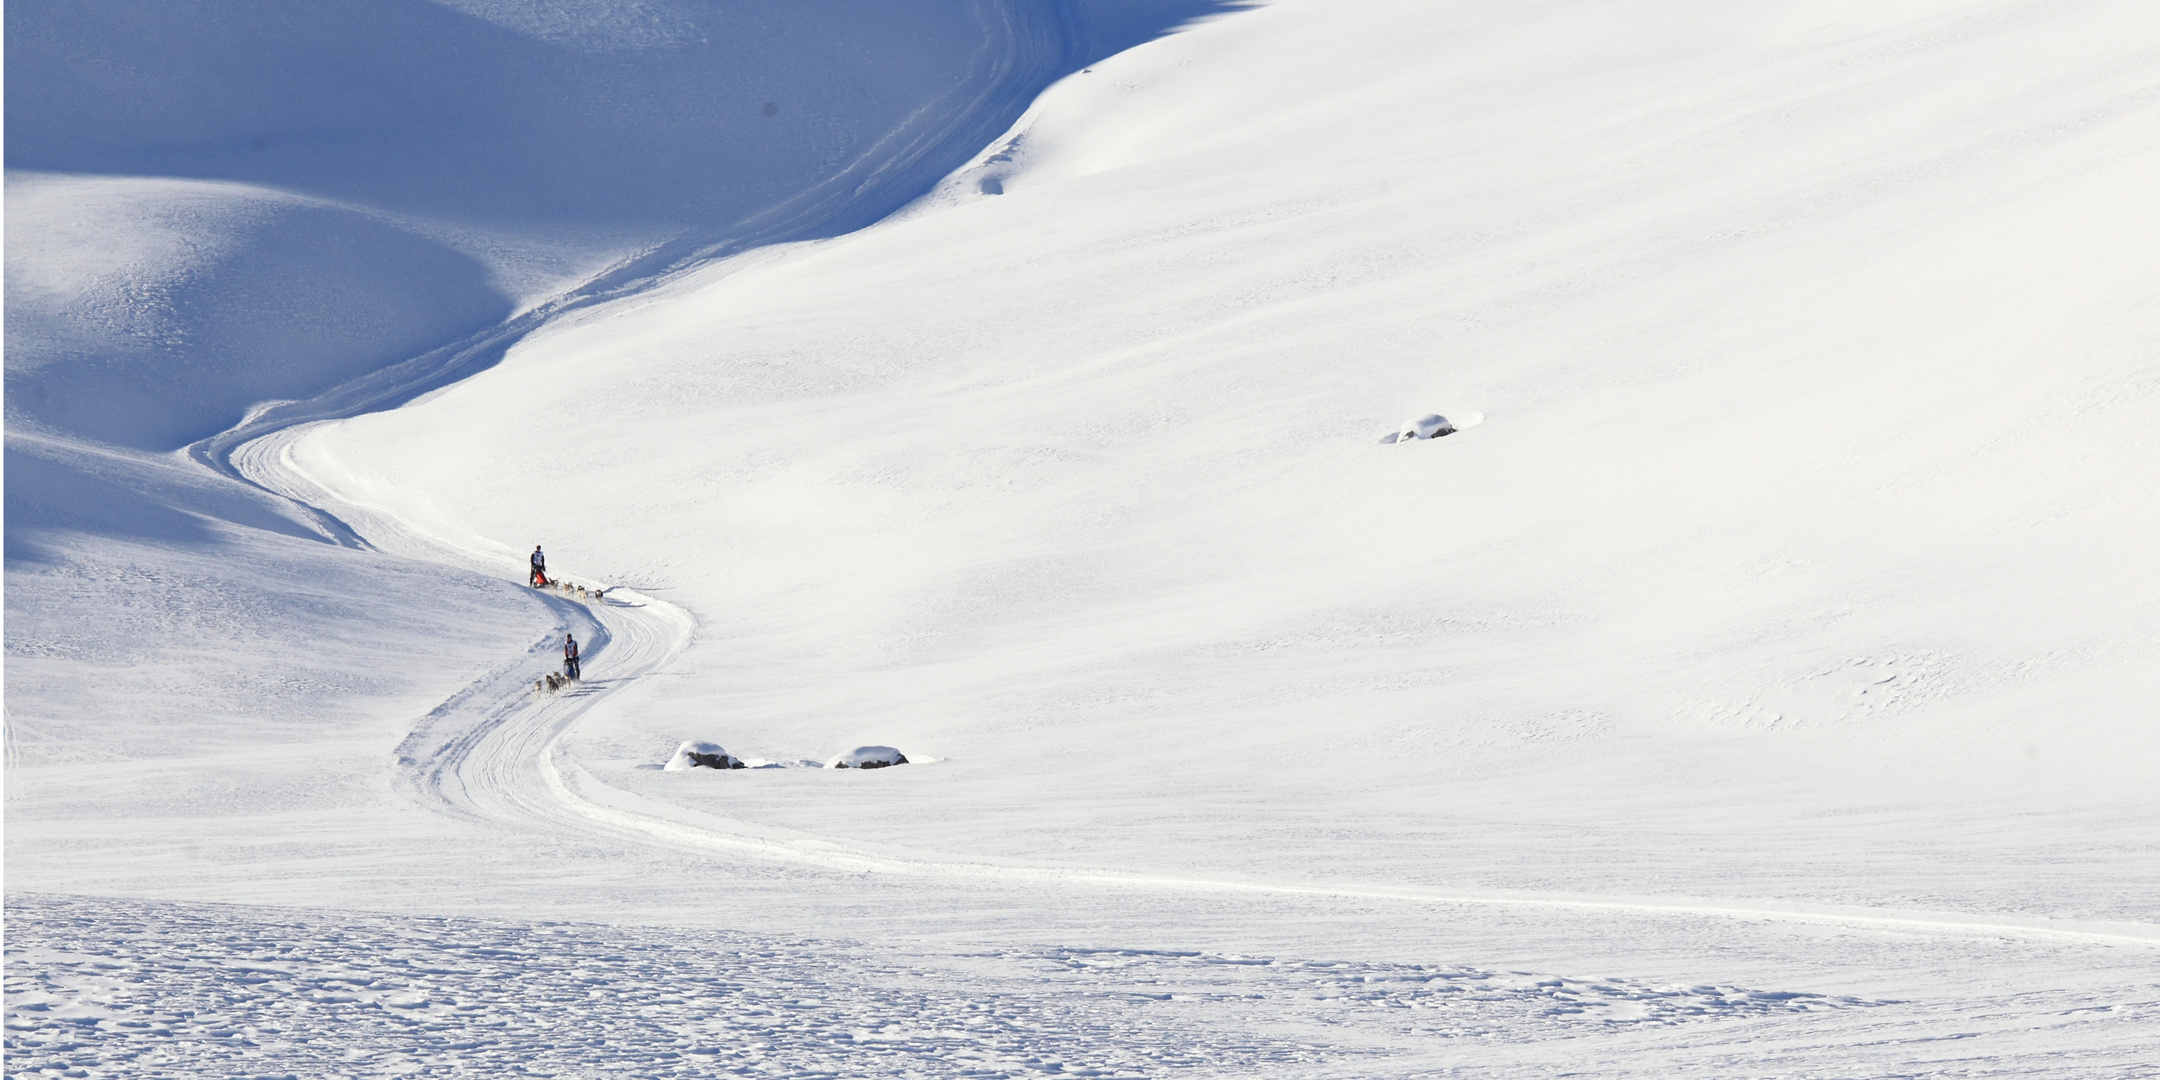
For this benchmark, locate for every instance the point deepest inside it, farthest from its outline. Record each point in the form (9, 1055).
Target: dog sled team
(540, 580)
(571, 670)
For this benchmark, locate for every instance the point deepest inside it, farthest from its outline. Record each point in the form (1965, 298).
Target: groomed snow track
(497, 752)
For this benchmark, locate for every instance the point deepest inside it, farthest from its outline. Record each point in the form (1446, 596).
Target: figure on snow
(569, 656)
(539, 568)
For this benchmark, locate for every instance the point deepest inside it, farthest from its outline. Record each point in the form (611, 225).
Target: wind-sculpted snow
(576, 118)
(128, 988)
(150, 313)
(391, 178)
(113, 987)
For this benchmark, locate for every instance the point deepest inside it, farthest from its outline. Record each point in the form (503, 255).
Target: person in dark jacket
(569, 656)
(539, 569)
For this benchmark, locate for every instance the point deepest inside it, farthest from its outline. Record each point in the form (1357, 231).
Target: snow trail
(1025, 46)
(497, 751)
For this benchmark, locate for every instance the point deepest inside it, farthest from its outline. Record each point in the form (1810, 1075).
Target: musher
(569, 656)
(539, 569)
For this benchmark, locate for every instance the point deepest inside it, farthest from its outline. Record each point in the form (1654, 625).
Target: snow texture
(1771, 680)
(219, 205)
(110, 988)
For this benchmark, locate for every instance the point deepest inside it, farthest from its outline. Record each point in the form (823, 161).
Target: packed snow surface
(1758, 681)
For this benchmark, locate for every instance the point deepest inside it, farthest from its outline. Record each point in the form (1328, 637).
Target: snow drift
(222, 204)
(151, 313)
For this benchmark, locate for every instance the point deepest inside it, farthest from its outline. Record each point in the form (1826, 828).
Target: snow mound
(868, 757)
(149, 313)
(1424, 427)
(702, 755)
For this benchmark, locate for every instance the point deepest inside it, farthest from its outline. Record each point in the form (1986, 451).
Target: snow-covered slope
(1813, 364)
(150, 313)
(239, 213)
(222, 204)
(1777, 623)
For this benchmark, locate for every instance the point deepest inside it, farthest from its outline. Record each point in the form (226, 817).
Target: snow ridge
(1025, 46)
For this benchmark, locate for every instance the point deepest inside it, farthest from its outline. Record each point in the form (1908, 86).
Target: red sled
(539, 580)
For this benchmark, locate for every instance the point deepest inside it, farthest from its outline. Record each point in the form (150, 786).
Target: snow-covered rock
(702, 755)
(1424, 427)
(868, 757)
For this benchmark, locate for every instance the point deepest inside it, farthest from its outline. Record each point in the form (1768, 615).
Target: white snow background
(1760, 682)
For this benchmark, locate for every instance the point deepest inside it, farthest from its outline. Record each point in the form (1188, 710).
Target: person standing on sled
(569, 656)
(539, 569)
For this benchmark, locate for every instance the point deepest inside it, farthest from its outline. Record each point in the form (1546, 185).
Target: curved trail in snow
(497, 752)
(1025, 47)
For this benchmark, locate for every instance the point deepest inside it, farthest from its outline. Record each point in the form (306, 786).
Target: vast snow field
(1758, 682)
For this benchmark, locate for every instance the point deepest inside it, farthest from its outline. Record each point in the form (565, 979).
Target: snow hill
(1013, 393)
